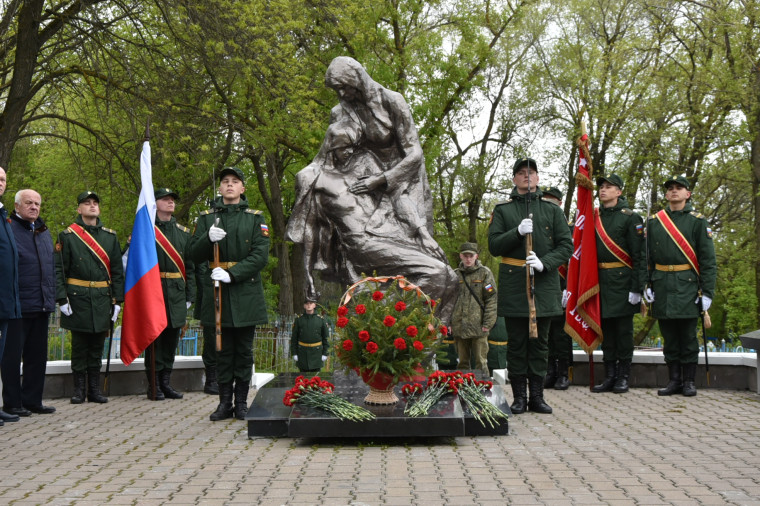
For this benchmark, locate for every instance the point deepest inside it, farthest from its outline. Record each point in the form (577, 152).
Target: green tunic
(552, 242)
(247, 244)
(177, 291)
(309, 341)
(675, 292)
(91, 306)
(626, 229)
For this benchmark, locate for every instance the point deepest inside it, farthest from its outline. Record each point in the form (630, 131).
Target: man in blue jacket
(28, 335)
(10, 307)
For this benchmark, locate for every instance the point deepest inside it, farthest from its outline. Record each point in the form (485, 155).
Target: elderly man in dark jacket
(28, 335)
(10, 307)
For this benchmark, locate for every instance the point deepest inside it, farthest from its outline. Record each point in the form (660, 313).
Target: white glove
(216, 234)
(189, 304)
(533, 261)
(219, 274)
(525, 226)
(324, 358)
(634, 298)
(295, 358)
(565, 298)
(649, 295)
(116, 310)
(66, 309)
(706, 302)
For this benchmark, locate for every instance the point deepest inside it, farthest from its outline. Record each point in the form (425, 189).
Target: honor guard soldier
(560, 344)
(90, 289)
(242, 237)
(308, 340)
(528, 214)
(622, 270)
(178, 284)
(683, 270)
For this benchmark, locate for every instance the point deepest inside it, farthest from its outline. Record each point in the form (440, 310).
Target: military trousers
(618, 338)
(3, 331)
(209, 347)
(235, 360)
(87, 350)
(525, 355)
(680, 336)
(165, 347)
(473, 350)
(28, 341)
(560, 343)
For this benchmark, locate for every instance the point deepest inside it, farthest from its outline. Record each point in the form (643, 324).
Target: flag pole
(583, 146)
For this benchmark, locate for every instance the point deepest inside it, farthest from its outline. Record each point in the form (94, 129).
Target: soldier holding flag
(683, 267)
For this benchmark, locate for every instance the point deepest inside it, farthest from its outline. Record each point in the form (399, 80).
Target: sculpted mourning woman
(364, 205)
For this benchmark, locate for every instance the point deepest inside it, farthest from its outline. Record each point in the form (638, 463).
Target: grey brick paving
(632, 449)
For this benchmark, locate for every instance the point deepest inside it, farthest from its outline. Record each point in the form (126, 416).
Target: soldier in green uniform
(475, 308)
(683, 270)
(89, 289)
(208, 354)
(178, 284)
(497, 346)
(552, 246)
(560, 343)
(622, 270)
(243, 239)
(308, 340)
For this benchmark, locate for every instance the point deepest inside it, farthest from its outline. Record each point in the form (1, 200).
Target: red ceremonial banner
(583, 315)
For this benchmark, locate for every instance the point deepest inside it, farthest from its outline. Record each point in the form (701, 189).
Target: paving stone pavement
(635, 448)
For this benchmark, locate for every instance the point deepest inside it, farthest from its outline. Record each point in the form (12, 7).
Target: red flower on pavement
(364, 336)
(418, 345)
(389, 321)
(348, 345)
(411, 331)
(361, 309)
(372, 347)
(399, 343)
(377, 296)
(342, 322)
(342, 311)
(400, 306)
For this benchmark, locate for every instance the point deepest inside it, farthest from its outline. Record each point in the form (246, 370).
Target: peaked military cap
(678, 180)
(87, 195)
(552, 191)
(233, 171)
(523, 162)
(613, 179)
(469, 247)
(160, 193)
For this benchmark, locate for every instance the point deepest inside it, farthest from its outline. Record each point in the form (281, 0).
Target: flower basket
(387, 330)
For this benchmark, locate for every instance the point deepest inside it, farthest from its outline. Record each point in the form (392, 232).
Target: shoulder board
(626, 211)
(652, 216)
(503, 202)
(110, 231)
(65, 231)
(253, 211)
(696, 214)
(208, 211)
(183, 228)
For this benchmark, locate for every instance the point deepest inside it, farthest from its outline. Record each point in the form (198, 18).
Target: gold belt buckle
(92, 284)
(671, 268)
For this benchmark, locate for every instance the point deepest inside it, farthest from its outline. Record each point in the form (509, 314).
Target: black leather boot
(610, 373)
(164, 376)
(563, 375)
(674, 386)
(93, 387)
(621, 381)
(224, 409)
(211, 387)
(536, 402)
(551, 373)
(79, 381)
(241, 399)
(520, 394)
(689, 387)
(159, 393)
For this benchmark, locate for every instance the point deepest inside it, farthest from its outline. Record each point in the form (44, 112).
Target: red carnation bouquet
(318, 393)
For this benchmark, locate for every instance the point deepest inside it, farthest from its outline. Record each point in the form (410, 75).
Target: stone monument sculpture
(363, 205)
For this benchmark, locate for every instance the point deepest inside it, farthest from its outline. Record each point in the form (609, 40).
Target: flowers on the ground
(392, 326)
(318, 393)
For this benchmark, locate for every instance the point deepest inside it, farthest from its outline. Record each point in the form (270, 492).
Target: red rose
(418, 346)
(411, 331)
(361, 309)
(377, 296)
(444, 330)
(372, 347)
(348, 345)
(364, 336)
(400, 306)
(342, 311)
(389, 321)
(399, 343)
(433, 303)
(342, 322)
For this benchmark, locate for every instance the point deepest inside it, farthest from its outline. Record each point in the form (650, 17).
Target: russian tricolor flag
(144, 312)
